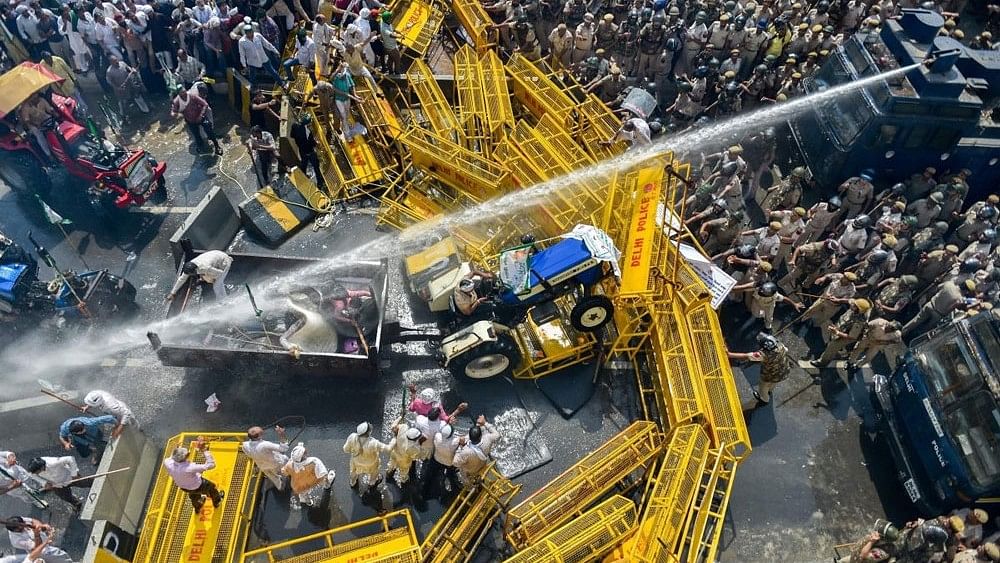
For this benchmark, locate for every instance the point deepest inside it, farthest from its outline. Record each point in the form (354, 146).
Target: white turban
(413, 434)
(94, 399)
(363, 429)
(428, 395)
(298, 452)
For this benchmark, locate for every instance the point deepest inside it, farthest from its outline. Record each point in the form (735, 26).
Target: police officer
(606, 33)
(652, 37)
(719, 234)
(696, 38)
(894, 294)
(753, 43)
(881, 336)
(763, 299)
(768, 240)
(845, 331)
(792, 227)
(807, 263)
(838, 292)
(923, 241)
(857, 193)
(819, 218)
(786, 193)
(560, 46)
(774, 365)
(854, 240)
(919, 185)
(936, 263)
(949, 297)
(583, 39)
(974, 225)
(926, 210)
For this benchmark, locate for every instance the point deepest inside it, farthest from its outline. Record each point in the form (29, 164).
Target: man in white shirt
(473, 453)
(23, 531)
(106, 36)
(269, 456)
(57, 474)
(253, 50)
(14, 479)
(187, 475)
(305, 54)
(105, 402)
(324, 36)
(211, 267)
(443, 461)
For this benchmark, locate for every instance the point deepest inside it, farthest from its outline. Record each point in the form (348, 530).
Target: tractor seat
(70, 131)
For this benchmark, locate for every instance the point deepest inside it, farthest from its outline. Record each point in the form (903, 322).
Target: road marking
(126, 363)
(32, 402)
(161, 209)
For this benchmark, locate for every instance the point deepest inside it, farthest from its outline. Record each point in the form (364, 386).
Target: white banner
(515, 268)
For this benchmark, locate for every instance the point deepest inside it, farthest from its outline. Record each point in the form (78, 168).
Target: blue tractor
(89, 295)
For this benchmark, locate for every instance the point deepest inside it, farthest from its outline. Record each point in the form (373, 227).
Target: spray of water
(65, 356)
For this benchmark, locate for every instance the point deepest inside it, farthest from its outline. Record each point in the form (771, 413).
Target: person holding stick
(14, 480)
(35, 554)
(187, 475)
(24, 533)
(59, 475)
(86, 435)
(110, 405)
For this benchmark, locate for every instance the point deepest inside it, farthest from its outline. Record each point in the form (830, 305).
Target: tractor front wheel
(488, 360)
(24, 174)
(591, 313)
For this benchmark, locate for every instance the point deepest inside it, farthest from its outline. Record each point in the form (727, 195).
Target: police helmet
(730, 168)
(741, 21)
(745, 251)
(767, 289)
(935, 535)
(655, 127)
(684, 87)
(970, 266)
(702, 121)
(732, 88)
(659, 5)
(659, 18)
(674, 11)
(989, 235)
(760, 69)
(940, 227)
(822, 6)
(647, 13)
(700, 17)
(878, 257)
(799, 171)
(701, 72)
(593, 62)
(862, 221)
(994, 275)
(714, 63)
(898, 188)
(832, 245)
(674, 44)
(868, 174)
(528, 238)
(834, 203)
(987, 212)
(633, 15)
(767, 341)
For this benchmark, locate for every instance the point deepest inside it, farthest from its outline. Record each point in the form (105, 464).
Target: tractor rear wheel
(23, 173)
(488, 360)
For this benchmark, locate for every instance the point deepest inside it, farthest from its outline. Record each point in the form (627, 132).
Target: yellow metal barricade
(378, 114)
(469, 91)
(499, 112)
(172, 531)
(417, 25)
(536, 91)
(668, 505)
(476, 23)
(382, 539)
(458, 532)
(553, 345)
(433, 105)
(586, 538)
(709, 510)
(598, 124)
(578, 487)
(722, 402)
(461, 169)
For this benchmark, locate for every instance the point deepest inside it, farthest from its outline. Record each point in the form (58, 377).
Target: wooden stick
(95, 476)
(68, 402)
(361, 336)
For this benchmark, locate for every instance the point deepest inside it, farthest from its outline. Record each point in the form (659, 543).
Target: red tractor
(118, 177)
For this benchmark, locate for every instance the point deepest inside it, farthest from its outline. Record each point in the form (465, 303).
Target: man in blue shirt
(86, 435)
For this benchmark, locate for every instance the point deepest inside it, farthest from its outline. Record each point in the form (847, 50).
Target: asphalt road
(815, 479)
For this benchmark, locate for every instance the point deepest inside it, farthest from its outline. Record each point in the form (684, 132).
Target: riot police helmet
(989, 235)
(767, 289)
(799, 171)
(714, 63)
(684, 86)
(878, 257)
(674, 44)
(760, 69)
(674, 12)
(700, 17)
(701, 71)
(745, 251)
(898, 188)
(647, 13)
(832, 245)
(528, 238)
(659, 5)
(730, 168)
(862, 221)
(934, 535)
(741, 21)
(822, 6)
(987, 212)
(767, 342)
(655, 127)
(659, 18)
(732, 88)
(868, 174)
(994, 275)
(702, 121)
(970, 266)
(834, 203)
(940, 227)
(633, 15)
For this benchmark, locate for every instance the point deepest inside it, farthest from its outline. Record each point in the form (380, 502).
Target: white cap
(298, 452)
(446, 431)
(363, 428)
(428, 395)
(94, 399)
(413, 434)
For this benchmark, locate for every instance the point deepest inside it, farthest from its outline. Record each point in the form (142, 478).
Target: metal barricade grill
(496, 95)
(417, 24)
(171, 532)
(668, 503)
(587, 537)
(458, 532)
(476, 23)
(582, 484)
(709, 510)
(435, 107)
(461, 169)
(393, 540)
(469, 91)
(536, 91)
